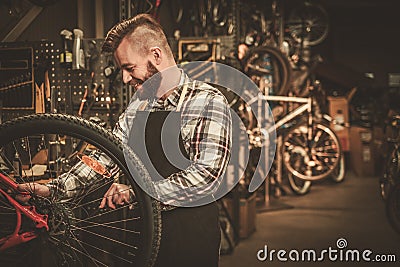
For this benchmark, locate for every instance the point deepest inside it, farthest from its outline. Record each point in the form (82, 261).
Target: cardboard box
(339, 111)
(362, 151)
(247, 214)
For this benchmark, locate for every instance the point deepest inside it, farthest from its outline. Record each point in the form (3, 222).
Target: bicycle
(390, 181)
(310, 149)
(391, 168)
(316, 122)
(280, 50)
(308, 23)
(264, 62)
(70, 229)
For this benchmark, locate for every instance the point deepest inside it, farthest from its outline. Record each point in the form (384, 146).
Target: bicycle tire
(255, 64)
(127, 235)
(391, 173)
(312, 17)
(298, 186)
(339, 173)
(314, 161)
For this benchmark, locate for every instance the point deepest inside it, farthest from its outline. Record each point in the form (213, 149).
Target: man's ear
(157, 54)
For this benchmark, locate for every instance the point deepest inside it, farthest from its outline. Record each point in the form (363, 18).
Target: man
(190, 235)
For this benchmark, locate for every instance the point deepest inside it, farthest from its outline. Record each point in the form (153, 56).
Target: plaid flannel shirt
(205, 130)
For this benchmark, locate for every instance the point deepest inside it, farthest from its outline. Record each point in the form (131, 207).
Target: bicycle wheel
(312, 159)
(80, 233)
(309, 22)
(393, 207)
(338, 174)
(269, 69)
(298, 186)
(391, 173)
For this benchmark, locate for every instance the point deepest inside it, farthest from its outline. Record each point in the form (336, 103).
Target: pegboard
(22, 70)
(87, 92)
(102, 97)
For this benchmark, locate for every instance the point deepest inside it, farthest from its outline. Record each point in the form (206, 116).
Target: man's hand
(117, 194)
(35, 188)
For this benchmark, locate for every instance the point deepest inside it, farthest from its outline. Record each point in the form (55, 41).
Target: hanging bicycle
(389, 182)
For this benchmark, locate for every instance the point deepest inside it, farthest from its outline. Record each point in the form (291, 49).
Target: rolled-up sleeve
(81, 177)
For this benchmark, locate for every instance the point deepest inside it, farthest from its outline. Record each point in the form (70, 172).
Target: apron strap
(182, 97)
(143, 105)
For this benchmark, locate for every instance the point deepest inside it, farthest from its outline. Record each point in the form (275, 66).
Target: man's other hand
(34, 188)
(117, 194)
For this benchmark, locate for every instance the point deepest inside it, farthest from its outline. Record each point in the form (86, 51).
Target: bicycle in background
(390, 180)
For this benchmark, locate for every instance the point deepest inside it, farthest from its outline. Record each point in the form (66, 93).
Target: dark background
(363, 37)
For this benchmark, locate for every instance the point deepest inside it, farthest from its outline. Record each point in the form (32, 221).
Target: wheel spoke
(311, 160)
(107, 224)
(104, 237)
(80, 233)
(85, 254)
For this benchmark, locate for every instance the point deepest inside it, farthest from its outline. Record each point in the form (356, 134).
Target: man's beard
(150, 84)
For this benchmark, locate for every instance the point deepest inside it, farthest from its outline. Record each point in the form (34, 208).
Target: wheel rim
(80, 233)
(339, 172)
(298, 186)
(269, 69)
(315, 160)
(310, 23)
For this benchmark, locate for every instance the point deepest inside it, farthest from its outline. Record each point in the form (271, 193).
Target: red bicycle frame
(40, 220)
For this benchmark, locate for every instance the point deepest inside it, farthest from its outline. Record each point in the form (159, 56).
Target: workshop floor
(352, 210)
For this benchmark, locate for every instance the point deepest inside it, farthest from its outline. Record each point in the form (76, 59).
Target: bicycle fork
(40, 220)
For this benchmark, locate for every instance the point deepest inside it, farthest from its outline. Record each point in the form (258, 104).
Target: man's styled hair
(143, 30)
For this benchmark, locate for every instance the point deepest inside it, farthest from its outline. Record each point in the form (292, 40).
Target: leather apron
(151, 137)
(191, 235)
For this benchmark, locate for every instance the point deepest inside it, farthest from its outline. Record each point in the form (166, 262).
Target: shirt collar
(173, 98)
